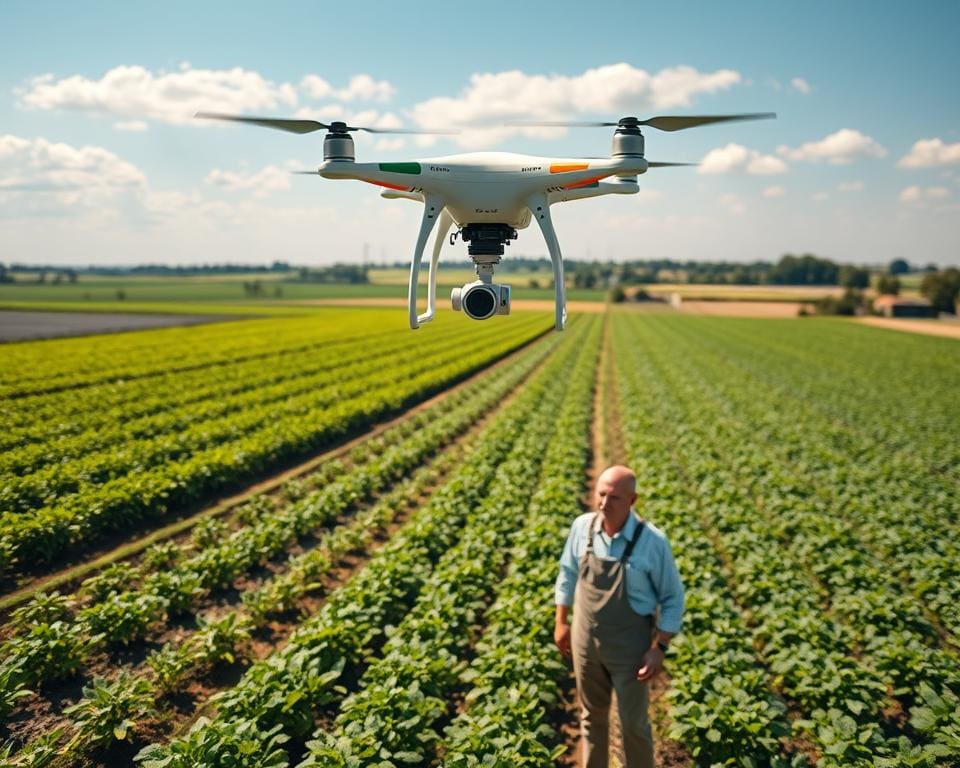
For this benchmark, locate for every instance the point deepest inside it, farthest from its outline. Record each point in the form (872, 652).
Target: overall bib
(609, 641)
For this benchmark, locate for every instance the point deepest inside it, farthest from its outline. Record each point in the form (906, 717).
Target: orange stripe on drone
(567, 167)
(387, 185)
(584, 183)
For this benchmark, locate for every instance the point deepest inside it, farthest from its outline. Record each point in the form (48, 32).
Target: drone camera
(479, 300)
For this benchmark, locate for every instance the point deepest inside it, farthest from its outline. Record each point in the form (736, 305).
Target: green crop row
(721, 708)
(834, 628)
(286, 691)
(53, 428)
(183, 433)
(513, 682)
(117, 504)
(392, 718)
(51, 365)
(114, 612)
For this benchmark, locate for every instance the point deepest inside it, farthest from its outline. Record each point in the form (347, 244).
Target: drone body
(488, 196)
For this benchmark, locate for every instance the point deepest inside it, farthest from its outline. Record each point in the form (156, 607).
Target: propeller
(662, 122)
(305, 126)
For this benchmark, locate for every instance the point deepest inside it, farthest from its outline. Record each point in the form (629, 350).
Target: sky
(102, 162)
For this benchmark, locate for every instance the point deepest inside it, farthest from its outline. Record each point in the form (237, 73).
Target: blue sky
(99, 161)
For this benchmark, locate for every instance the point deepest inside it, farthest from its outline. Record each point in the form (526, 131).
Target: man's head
(616, 491)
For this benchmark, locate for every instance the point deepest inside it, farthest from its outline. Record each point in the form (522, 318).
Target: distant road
(16, 325)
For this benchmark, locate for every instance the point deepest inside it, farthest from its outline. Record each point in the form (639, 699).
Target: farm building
(895, 306)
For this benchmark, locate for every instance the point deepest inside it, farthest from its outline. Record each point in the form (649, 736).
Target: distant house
(896, 306)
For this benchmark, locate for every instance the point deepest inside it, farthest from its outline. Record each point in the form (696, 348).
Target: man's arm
(565, 586)
(671, 598)
(561, 629)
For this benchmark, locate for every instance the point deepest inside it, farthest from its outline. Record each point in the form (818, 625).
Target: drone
(489, 196)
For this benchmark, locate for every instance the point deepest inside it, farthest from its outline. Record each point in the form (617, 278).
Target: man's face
(614, 496)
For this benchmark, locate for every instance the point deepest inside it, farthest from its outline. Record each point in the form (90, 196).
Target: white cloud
(915, 195)
(774, 191)
(272, 178)
(930, 153)
(840, 148)
(360, 88)
(131, 125)
(172, 97)
(850, 186)
(40, 176)
(733, 204)
(801, 85)
(610, 91)
(735, 158)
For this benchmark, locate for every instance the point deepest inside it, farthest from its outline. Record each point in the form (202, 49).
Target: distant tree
(851, 303)
(533, 283)
(617, 295)
(121, 294)
(888, 285)
(804, 270)
(899, 267)
(71, 275)
(5, 276)
(931, 267)
(942, 289)
(854, 277)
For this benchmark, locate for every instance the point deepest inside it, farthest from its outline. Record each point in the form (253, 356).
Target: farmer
(616, 570)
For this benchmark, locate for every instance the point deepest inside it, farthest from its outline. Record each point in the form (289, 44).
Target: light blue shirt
(651, 573)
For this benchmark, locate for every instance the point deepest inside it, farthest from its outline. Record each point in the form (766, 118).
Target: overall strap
(632, 543)
(593, 532)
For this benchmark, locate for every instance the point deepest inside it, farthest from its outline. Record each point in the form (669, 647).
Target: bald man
(616, 571)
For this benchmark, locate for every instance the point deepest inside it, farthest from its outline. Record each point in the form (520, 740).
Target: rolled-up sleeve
(567, 578)
(669, 592)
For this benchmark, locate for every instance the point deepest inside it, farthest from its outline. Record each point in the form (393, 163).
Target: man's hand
(652, 665)
(561, 636)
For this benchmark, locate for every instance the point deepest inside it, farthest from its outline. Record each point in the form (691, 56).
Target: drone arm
(625, 186)
(432, 207)
(540, 210)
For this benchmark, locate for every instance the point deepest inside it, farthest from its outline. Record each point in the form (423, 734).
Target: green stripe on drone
(412, 168)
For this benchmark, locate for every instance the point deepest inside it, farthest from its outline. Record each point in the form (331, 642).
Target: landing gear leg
(432, 210)
(540, 210)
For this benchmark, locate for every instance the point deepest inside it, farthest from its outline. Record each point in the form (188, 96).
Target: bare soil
(947, 328)
(743, 308)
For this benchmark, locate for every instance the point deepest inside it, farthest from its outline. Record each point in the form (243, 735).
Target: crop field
(390, 602)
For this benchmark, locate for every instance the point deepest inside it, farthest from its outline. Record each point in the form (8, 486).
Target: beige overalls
(609, 641)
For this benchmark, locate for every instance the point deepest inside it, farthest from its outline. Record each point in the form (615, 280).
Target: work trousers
(602, 665)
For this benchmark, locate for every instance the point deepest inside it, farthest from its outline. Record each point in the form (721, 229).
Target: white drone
(490, 195)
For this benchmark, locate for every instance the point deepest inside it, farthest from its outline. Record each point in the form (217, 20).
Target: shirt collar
(628, 528)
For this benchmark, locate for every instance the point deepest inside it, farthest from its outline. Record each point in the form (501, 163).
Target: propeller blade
(662, 123)
(681, 122)
(557, 124)
(404, 130)
(305, 126)
(651, 164)
(281, 124)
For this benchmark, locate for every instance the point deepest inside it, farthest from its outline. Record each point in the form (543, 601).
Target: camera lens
(480, 302)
